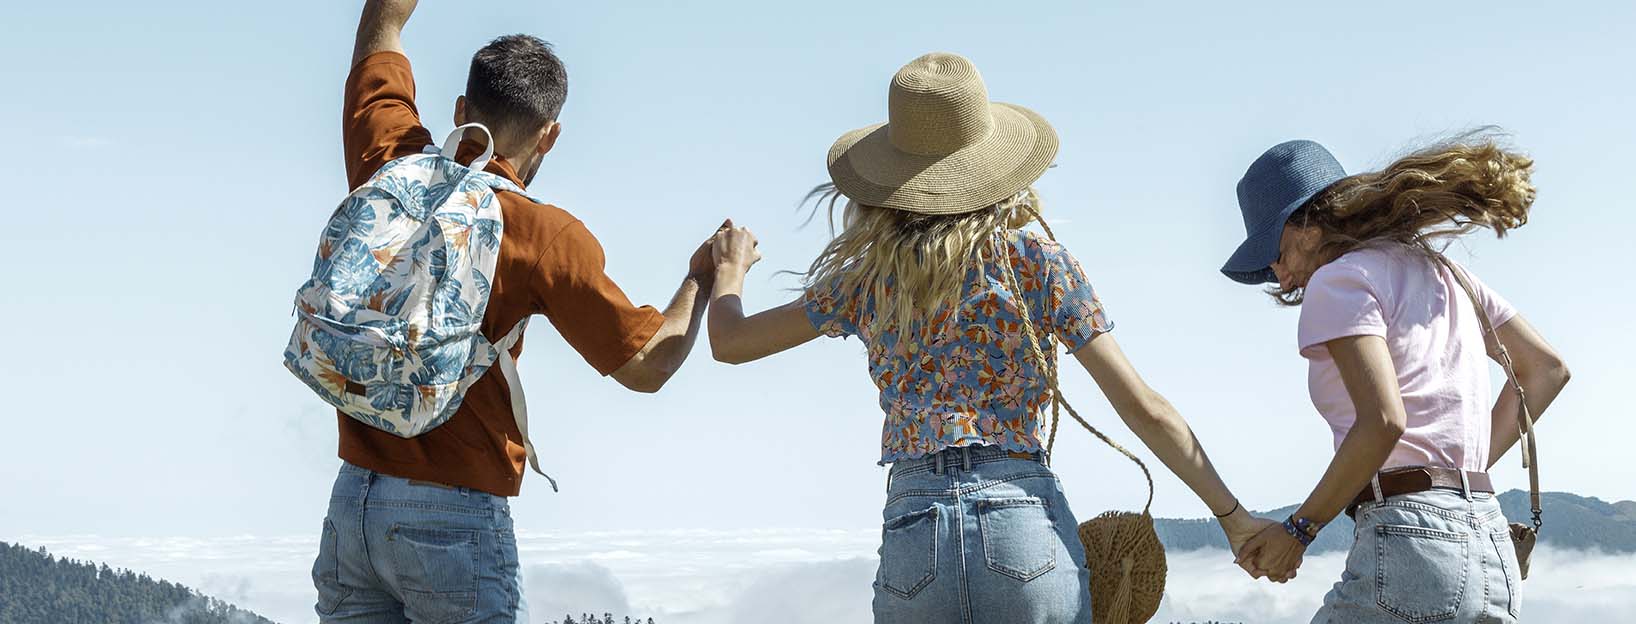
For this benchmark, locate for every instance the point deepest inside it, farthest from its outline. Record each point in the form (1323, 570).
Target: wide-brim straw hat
(945, 148)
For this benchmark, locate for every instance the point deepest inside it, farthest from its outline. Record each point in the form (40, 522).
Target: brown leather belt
(1419, 479)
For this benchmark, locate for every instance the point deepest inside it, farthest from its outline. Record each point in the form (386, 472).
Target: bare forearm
(726, 311)
(1167, 434)
(1359, 457)
(681, 328)
(662, 356)
(1542, 388)
(380, 29)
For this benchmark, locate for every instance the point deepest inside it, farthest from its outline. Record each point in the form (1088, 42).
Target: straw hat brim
(868, 169)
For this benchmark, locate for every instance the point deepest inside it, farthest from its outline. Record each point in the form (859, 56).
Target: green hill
(1570, 522)
(37, 588)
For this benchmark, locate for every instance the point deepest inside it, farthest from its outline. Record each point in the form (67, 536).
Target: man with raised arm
(419, 528)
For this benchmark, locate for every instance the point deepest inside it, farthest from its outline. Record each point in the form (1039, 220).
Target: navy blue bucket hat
(1283, 179)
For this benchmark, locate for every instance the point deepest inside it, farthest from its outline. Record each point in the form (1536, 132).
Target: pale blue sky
(172, 163)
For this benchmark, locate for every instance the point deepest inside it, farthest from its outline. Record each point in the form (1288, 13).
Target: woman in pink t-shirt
(1397, 368)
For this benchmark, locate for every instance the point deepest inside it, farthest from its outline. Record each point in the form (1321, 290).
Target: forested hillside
(37, 588)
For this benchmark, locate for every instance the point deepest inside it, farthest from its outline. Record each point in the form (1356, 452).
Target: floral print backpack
(388, 328)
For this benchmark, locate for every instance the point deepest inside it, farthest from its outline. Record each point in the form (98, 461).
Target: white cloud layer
(791, 576)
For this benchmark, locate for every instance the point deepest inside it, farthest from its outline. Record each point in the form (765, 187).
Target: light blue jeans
(397, 551)
(1433, 556)
(976, 536)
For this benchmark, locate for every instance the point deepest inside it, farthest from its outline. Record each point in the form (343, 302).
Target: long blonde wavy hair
(909, 265)
(1436, 193)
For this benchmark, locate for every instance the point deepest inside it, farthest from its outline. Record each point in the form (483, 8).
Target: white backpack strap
(519, 406)
(452, 144)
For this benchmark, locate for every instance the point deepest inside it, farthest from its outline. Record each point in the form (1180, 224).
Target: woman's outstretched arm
(1163, 430)
(735, 338)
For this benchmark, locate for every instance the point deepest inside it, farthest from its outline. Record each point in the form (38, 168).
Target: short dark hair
(516, 83)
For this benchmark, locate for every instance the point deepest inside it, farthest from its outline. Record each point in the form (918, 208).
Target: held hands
(735, 249)
(1261, 546)
(702, 266)
(1272, 553)
(1240, 527)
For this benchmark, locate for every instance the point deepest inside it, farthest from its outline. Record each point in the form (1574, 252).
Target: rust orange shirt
(549, 264)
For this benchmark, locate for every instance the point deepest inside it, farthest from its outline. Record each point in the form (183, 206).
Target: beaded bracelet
(1302, 529)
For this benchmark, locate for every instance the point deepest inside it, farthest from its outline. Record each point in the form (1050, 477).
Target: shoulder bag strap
(1525, 419)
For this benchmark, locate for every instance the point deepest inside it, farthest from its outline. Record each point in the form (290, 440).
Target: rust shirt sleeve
(379, 122)
(585, 305)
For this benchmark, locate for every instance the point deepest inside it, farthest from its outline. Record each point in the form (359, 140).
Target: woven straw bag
(1122, 550)
(1127, 560)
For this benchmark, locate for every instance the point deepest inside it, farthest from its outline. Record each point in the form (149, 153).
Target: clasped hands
(729, 246)
(1262, 547)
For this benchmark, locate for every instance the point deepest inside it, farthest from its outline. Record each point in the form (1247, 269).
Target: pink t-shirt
(1391, 290)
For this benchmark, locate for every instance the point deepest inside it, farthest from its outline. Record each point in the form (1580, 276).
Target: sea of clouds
(785, 575)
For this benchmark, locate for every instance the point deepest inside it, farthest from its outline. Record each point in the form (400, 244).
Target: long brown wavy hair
(1434, 194)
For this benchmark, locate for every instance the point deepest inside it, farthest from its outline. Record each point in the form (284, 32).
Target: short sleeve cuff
(1084, 322)
(1501, 317)
(640, 333)
(1317, 339)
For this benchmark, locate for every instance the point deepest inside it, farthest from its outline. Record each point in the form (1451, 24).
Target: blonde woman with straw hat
(960, 311)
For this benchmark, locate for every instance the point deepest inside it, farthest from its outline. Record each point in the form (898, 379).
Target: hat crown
(937, 104)
(1290, 172)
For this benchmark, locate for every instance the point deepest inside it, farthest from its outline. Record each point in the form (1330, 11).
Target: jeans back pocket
(908, 553)
(436, 569)
(1019, 539)
(1420, 573)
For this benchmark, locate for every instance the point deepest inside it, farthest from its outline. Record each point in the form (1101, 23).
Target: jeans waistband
(961, 458)
(359, 488)
(426, 489)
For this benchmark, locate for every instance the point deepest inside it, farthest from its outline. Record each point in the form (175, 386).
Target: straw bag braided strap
(1122, 550)
(1522, 535)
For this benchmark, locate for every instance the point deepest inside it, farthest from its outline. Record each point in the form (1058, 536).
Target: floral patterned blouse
(969, 380)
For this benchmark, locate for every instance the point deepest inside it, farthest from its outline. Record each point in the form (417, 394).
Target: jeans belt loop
(1380, 497)
(937, 463)
(965, 458)
(1465, 485)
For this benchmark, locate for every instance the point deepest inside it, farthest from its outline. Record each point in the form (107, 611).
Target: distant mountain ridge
(1571, 521)
(37, 588)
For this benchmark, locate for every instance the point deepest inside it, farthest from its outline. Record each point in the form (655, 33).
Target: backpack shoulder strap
(514, 384)
(1525, 419)
(451, 144)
